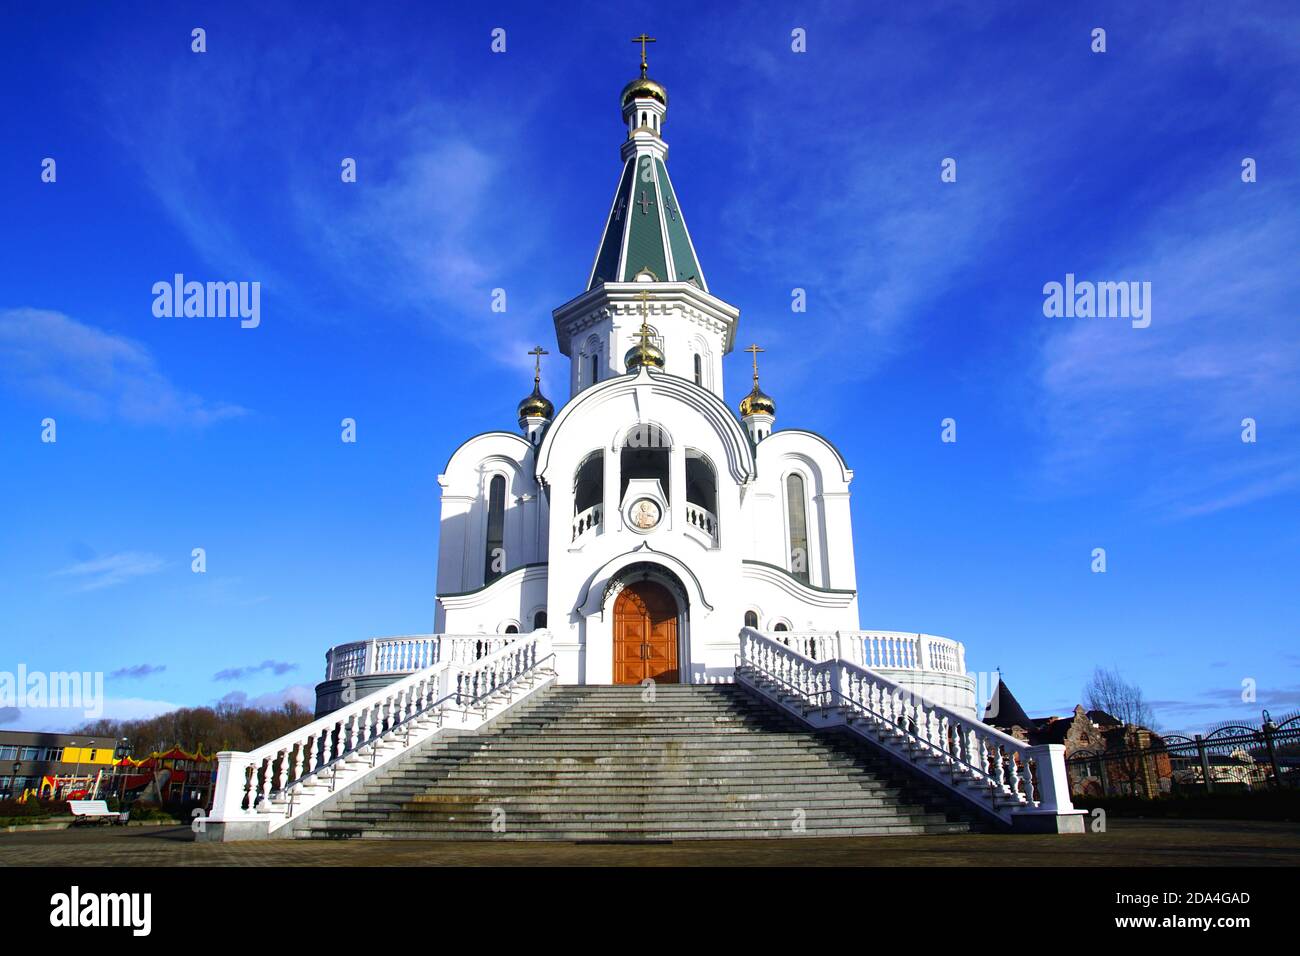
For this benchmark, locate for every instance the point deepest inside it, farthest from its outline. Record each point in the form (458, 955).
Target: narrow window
(699, 371)
(798, 529)
(595, 369)
(539, 620)
(494, 559)
(751, 619)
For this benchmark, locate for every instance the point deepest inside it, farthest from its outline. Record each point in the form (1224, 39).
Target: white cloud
(64, 719)
(95, 373)
(112, 569)
(300, 694)
(1223, 345)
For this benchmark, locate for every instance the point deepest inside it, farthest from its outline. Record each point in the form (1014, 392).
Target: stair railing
(284, 779)
(1001, 775)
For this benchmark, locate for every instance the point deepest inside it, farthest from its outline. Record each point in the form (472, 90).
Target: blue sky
(817, 170)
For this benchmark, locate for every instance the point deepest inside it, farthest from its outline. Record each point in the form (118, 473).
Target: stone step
(601, 763)
(676, 792)
(605, 835)
(591, 808)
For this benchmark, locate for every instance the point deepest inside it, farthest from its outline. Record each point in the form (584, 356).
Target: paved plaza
(1127, 843)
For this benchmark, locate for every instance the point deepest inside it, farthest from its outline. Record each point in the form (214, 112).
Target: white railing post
(1053, 779)
(228, 790)
(923, 652)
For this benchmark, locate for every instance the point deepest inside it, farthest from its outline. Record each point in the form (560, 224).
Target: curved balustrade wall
(362, 667)
(934, 667)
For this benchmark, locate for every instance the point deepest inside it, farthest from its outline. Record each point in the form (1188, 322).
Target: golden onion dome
(644, 86)
(757, 402)
(536, 405)
(646, 354)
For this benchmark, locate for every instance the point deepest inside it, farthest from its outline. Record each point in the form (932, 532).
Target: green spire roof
(645, 230)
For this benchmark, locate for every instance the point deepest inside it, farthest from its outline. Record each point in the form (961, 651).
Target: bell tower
(646, 284)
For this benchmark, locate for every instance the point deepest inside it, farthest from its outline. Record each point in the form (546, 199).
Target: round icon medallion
(644, 514)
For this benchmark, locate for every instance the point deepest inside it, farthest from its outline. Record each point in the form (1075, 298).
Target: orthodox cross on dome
(643, 40)
(644, 308)
(754, 350)
(644, 203)
(672, 209)
(537, 353)
(618, 212)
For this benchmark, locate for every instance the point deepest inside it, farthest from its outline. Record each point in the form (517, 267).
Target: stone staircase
(587, 763)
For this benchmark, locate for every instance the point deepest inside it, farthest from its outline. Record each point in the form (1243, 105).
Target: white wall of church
(825, 482)
(684, 322)
(463, 527)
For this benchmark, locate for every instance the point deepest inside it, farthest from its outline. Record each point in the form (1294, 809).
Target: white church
(645, 522)
(643, 534)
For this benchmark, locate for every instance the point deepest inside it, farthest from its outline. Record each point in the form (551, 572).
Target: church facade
(645, 522)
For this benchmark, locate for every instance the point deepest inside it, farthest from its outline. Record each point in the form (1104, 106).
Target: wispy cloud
(76, 366)
(299, 694)
(111, 570)
(428, 230)
(238, 673)
(138, 670)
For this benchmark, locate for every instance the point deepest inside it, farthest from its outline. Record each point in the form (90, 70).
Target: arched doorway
(645, 634)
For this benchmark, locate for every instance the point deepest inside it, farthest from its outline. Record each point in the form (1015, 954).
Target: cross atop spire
(537, 353)
(754, 350)
(644, 308)
(643, 40)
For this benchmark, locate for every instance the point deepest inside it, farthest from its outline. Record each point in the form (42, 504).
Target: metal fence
(1232, 757)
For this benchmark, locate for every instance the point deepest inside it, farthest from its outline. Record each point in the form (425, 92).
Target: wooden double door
(645, 634)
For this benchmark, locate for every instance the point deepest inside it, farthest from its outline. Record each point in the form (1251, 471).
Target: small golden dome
(536, 405)
(639, 355)
(644, 86)
(757, 402)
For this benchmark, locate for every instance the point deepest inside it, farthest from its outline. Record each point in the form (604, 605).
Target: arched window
(539, 620)
(701, 491)
(494, 557)
(797, 516)
(751, 619)
(589, 482)
(595, 368)
(512, 629)
(699, 370)
(645, 454)
(780, 626)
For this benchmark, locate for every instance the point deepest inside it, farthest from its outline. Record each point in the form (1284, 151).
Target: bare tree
(1108, 691)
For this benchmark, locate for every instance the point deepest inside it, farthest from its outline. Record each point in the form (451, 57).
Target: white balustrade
(287, 777)
(406, 655)
(586, 521)
(817, 645)
(703, 519)
(466, 648)
(896, 650)
(993, 770)
(346, 660)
